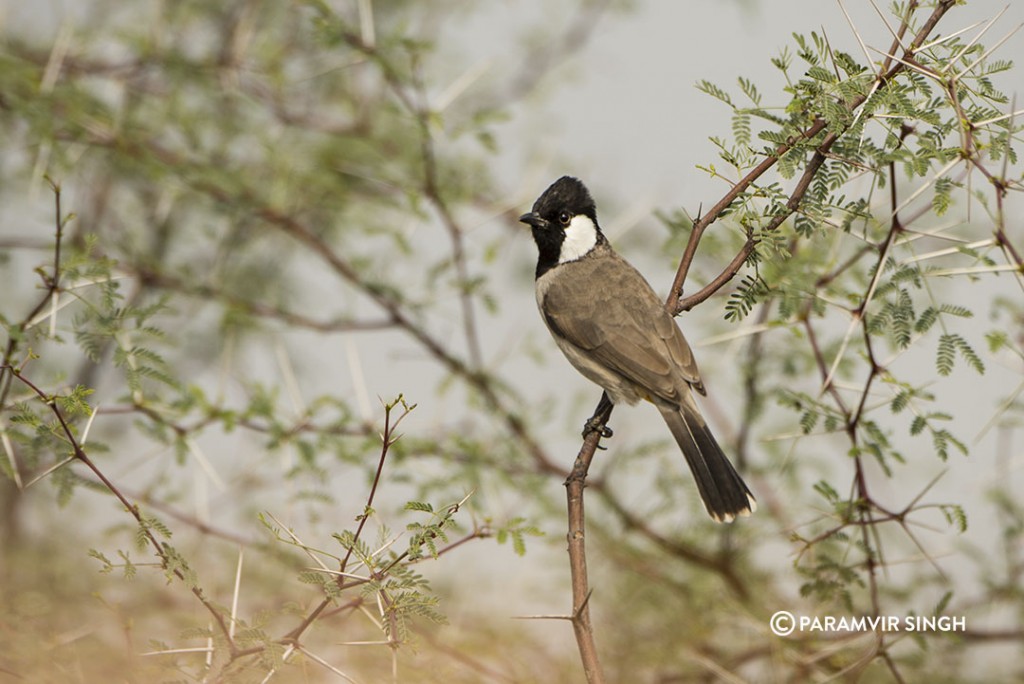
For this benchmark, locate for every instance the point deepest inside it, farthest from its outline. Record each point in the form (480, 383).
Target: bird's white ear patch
(580, 238)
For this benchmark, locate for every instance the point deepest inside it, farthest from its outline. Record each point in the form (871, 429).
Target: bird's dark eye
(564, 218)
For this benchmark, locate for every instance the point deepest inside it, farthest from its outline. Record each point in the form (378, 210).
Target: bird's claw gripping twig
(595, 424)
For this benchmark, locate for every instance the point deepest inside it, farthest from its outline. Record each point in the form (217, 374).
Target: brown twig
(576, 537)
(51, 282)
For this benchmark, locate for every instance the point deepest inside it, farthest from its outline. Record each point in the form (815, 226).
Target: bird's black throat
(549, 247)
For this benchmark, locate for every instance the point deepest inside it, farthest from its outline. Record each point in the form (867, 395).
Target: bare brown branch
(576, 537)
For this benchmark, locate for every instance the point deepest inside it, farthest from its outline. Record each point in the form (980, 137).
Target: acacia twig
(576, 537)
(675, 302)
(145, 527)
(388, 438)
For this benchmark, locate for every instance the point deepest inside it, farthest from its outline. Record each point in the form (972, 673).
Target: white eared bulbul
(612, 327)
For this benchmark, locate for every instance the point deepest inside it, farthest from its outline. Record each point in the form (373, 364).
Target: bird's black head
(567, 197)
(564, 223)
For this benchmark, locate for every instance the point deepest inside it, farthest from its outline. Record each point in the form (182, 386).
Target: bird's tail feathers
(723, 491)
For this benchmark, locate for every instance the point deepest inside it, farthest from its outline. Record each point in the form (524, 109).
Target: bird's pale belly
(619, 389)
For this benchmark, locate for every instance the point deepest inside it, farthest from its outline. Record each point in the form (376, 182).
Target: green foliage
(226, 193)
(865, 258)
(427, 535)
(752, 289)
(830, 580)
(129, 569)
(515, 531)
(150, 525)
(811, 410)
(949, 345)
(74, 403)
(714, 91)
(955, 516)
(826, 490)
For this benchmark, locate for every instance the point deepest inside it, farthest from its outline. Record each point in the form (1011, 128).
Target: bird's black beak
(533, 218)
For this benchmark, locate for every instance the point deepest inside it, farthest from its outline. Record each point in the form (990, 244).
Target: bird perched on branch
(612, 327)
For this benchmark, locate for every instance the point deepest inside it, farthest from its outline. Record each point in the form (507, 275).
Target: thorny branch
(574, 487)
(886, 73)
(867, 514)
(51, 283)
(168, 563)
(388, 438)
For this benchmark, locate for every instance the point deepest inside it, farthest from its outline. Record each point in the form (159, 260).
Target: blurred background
(287, 215)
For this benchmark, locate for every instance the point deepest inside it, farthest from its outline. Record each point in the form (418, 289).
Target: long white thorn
(234, 597)
(988, 52)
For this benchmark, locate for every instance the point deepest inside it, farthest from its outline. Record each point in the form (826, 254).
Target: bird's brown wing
(620, 321)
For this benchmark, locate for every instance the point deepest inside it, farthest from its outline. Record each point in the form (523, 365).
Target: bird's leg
(596, 423)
